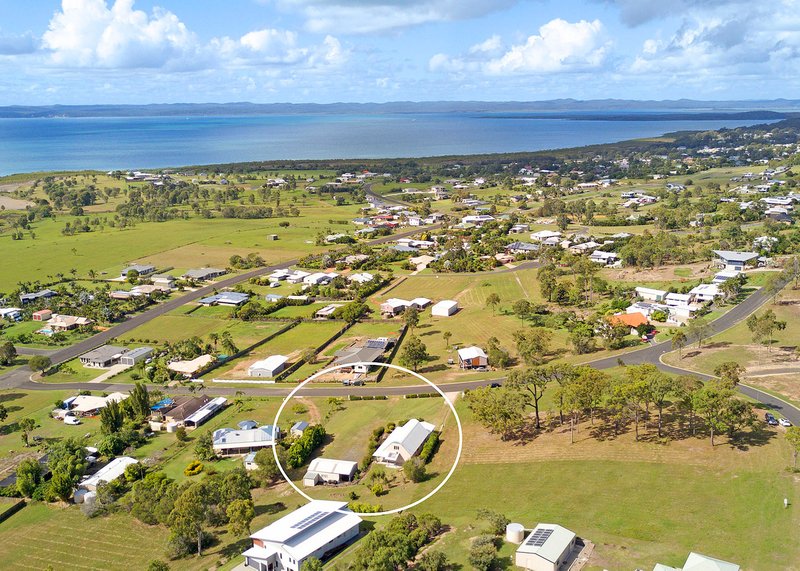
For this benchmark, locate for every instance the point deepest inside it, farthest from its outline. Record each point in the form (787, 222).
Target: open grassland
(172, 328)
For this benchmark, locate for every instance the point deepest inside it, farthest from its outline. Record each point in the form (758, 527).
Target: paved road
(19, 376)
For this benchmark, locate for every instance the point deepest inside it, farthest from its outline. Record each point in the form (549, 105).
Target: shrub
(181, 435)
(364, 508)
(430, 447)
(194, 468)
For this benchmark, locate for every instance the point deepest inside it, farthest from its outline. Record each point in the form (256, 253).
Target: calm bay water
(28, 145)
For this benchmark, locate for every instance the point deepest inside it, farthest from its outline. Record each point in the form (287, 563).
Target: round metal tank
(515, 533)
(172, 426)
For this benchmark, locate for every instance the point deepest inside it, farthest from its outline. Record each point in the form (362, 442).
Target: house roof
(630, 319)
(410, 436)
(471, 353)
(203, 273)
(395, 302)
(207, 410)
(88, 403)
(548, 541)
(231, 437)
(186, 406)
(354, 355)
(270, 363)
(109, 472)
(697, 562)
(191, 367)
(104, 353)
(300, 425)
(332, 466)
(309, 527)
(730, 256)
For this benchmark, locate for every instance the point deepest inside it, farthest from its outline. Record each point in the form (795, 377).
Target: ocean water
(28, 145)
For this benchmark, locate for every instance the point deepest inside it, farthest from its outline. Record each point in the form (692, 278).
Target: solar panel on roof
(309, 520)
(539, 537)
(375, 344)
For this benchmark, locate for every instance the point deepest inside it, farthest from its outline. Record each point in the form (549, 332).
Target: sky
(323, 51)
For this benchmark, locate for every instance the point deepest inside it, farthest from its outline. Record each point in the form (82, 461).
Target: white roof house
(650, 294)
(677, 299)
(230, 441)
(546, 548)
(705, 292)
(328, 470)
(543, 235)
(403, 443)
(734, 260)
(444, 308)
(205, 412)
(471, 357)
(420, 302)
(394, 305)
(698, 562)
(361, 278)
(313, 530)
(107, 473)
(268, 367)
(88, 404)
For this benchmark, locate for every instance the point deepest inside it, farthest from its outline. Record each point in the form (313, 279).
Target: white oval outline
(376, 364)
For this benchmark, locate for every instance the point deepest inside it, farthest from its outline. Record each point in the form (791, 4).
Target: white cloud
(371, 16)
(559, 46)
(90, 34)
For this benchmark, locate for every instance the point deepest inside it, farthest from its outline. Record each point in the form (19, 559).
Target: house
(59, 323)
(329, 471)
(319, 278)
(88, 405)
(725, 275)
(191, 368)
(522, 248)
(107, 473)
(403, 443)
(361, 278)
(519, 229)
(11, 313)
(102, 357)
(35, 296)
(268, 367)
(203, 274)
(472, 358)
(632, 320)
(649, 294)
(313, 530)
(250, 462)
(134, 356)
(229, 298)
(705, 292)
(298, 428)
(141, 269)
(327, 311)
(231, 441)
(547, 547)
(584, 247)
(698, 562)
(354, 359)
(543, 235)
(42, 315)
(477, 219)
(420, 303)
(182, 408)
(394, 306)
(445, 308)
(677, 299)
(205, 412)
(605, 258)
(163, 281)
(737, 261)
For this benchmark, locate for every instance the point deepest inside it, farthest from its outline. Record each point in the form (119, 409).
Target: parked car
(784, 422)
(770, 419)
(72, 420)
(495, 385)
(274, 284)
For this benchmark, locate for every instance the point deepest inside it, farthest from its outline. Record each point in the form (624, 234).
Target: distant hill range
(601, 109)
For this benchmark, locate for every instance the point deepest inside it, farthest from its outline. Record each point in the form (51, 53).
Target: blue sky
(151, 51)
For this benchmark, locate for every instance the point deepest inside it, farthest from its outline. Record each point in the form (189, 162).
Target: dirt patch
(314, 416)
(690, 272)
(8, 203)
(786, 385)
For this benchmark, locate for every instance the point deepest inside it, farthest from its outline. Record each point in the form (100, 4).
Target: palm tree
(228, 345)
(447, 335)
(492, 300)
(214, 338)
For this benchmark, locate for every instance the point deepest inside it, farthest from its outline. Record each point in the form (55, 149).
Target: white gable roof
(471, 353)
(410, 436)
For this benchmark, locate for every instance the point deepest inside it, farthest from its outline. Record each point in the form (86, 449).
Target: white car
(74, 420)
(274, 284)
(784, 422)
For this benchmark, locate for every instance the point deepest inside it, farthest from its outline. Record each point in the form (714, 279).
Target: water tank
(515, 533)
(172, 426)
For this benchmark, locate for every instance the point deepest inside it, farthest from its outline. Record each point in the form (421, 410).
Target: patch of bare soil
(664, 273)
(786, 385)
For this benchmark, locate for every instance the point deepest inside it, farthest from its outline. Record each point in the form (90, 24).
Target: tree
(685, 388)
(139, 401)
(499, 409)
(3, 412)
(411, 317)
(730, 372)
(773, 285)
(228, 345)
(312, 564)
(698, 328)
(793, 438)
(447, 335)
(679, 341)
(659, 385)
(482, 553)
(432, 561)
(352, 312)
(414, 469)
(764, 327)
(497, 521)
(588, 388)
(533, 344)
(414, 353)
(562, 222)
(7, 354)
(531, 384)
(522, 309)
(492, 300)
(630, 394)
(29, 476)
(157, 565)
(39, 363)
(710, 403)
(548, 280)
(497, 356)
(204, 447)
(240, 514)
(188, 516)
(268, 471)
(111, 418)
(26, 425)
(582, 339)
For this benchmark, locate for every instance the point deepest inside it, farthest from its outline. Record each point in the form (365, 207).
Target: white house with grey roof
(547, 548)
(103, 357)
(204, 274)
(141, 269)
(403, 443)
(329, 471)
(313, 530)
(737, 261)
(231, 441)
